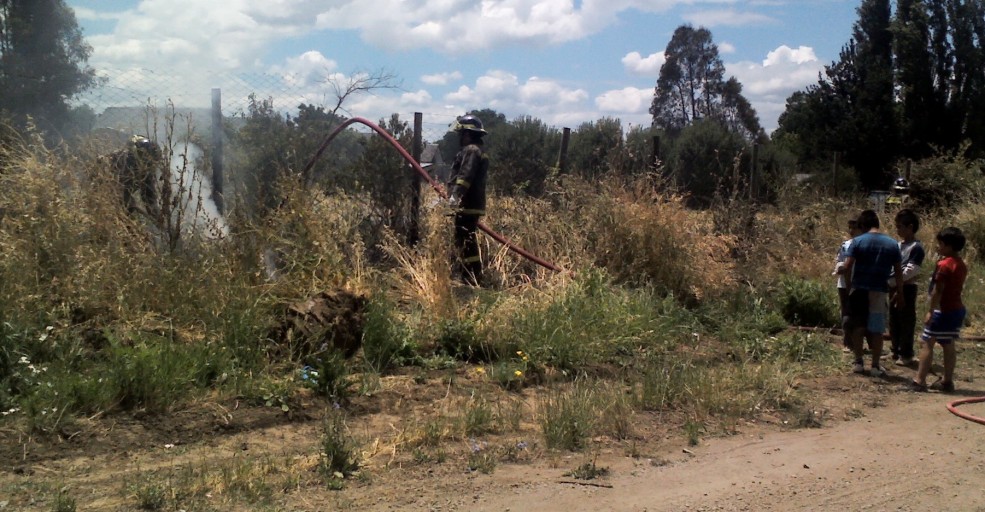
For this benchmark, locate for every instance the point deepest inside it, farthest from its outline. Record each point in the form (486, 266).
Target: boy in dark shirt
(902, 320)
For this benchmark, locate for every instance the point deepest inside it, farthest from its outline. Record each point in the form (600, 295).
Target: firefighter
(467, 196)
(136, 168)
(900, 193)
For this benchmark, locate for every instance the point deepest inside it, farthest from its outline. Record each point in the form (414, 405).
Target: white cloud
(726, 17)
(647, 66)
(461, 26)
(190, 33)
(441, 78)
(309, 68)
(726, 48)
(503, 91)
(629, 100)
(785, 54)
(767, 85)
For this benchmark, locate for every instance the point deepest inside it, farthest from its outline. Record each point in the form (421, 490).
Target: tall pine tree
(874, 113)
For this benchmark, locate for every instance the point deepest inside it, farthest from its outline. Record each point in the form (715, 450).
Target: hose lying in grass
(306, 172)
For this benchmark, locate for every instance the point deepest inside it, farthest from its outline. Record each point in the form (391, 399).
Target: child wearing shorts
(946, 316)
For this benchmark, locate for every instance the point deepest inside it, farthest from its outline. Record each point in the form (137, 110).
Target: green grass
(569, 418)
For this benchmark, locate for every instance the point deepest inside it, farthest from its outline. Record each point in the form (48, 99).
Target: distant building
(432, 162)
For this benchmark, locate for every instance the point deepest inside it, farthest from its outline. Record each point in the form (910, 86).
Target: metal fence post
(217, 150)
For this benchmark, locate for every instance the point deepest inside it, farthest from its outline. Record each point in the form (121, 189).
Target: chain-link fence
(145, 101)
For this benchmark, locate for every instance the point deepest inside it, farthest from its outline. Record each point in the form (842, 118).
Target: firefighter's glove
(454, 201)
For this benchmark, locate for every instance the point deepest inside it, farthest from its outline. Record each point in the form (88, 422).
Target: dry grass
(663, 313)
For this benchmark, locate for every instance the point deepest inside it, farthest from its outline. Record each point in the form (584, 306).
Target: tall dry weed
(643, 236)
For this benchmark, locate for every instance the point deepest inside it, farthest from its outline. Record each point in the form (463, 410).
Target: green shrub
(665, 385)
(340, 455)
(593, 321)
(458, 338)
(946, 180)
(328, 374)
(807, 302)
(63, 503)
(387, 342)
(478, 418)
(568, 418)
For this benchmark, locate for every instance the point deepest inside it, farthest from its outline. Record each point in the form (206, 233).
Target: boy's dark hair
(867, 220)
(952, 237)
(908, 217)
(852, 223)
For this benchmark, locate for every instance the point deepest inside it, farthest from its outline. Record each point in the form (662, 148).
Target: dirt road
(911, 455)
(879, 449)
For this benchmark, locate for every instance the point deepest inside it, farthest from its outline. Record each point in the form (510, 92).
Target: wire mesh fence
(140, 100)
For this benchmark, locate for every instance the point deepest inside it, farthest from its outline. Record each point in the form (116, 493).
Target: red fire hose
(306, 176)
(953, 407)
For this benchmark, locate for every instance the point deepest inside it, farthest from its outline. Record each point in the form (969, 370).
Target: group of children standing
(878, 278)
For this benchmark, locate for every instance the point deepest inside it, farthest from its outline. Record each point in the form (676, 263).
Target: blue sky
(563, 61)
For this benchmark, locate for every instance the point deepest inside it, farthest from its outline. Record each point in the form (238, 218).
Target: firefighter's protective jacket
(468, 180)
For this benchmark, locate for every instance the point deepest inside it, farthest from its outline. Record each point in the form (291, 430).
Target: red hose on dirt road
(306, 176)
(953, 407)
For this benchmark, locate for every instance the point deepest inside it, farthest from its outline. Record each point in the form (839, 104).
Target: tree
(593, 145)
(852, 107)
(874, 109)
(920, 103)
(692, 86)
(523, 154)
(43, 62)
(704, 156)
(967, 79)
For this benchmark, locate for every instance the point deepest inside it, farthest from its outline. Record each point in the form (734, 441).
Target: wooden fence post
(562, 157)
(655, 157)
(413, 231)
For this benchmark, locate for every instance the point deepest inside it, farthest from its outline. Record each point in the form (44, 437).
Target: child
(903, 319)
(871, 258)
(844, 280)
(947, 312)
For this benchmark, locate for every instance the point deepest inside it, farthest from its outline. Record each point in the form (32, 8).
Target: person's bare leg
(875, 346)
(950, 359)
(926, 359)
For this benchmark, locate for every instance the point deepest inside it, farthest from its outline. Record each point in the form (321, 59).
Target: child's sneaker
(858, 367)
(878, 371)
(943, 386)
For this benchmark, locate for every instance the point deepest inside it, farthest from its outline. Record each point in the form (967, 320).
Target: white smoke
(198, 211)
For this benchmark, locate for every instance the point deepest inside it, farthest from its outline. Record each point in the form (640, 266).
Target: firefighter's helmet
(141, 142)
(901, 186)
(469, 123)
